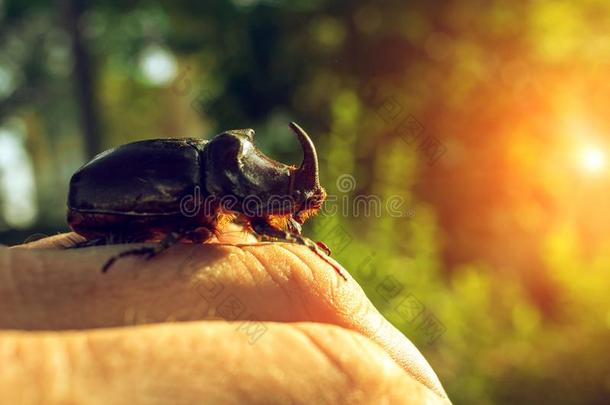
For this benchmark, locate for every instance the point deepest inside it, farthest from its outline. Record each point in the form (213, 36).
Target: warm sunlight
(593, 159)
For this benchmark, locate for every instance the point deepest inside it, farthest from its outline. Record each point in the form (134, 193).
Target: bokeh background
(478, 129)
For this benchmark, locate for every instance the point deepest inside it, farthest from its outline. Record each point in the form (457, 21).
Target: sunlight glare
(593, 159)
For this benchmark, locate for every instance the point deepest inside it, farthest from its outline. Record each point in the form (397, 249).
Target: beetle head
(259, 186)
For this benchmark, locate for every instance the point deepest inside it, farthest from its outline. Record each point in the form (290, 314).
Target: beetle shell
(133, 183)
(140, 178)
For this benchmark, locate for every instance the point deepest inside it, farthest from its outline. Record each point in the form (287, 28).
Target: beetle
(175, 189)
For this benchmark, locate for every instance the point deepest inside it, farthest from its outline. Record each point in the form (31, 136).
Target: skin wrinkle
(329, 293)
(22, 360)
(95, 356)
(60, 367)
(189, 269)
(307, 290)
(331, 360)
(280, 285)
(355, 342)
(301, 297)
(275, 373)
(301, 264)
(50, 359)
(234, 251)
(311, 351)
(258, 265)
(275, 370)
(277, 280)
(325, 261)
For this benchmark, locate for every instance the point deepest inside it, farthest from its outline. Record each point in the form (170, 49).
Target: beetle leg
(324, 247)
(170, 240)
(294, 226)
(148, 251)
(131, 252)
(265, 230)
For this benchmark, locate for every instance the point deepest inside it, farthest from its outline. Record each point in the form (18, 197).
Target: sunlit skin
(119, 336)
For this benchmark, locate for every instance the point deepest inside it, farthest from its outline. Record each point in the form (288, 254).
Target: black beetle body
(141, 178)
(135, 188)
(173, 189)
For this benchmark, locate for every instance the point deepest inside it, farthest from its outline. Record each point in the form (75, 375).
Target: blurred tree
(85, 78)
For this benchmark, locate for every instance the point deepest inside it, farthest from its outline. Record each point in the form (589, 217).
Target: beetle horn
(306, 176)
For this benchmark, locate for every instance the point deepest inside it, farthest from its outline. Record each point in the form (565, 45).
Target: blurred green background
(475, 133)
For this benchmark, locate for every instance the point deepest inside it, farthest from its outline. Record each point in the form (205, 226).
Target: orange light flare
(592, 159)
(589, 149)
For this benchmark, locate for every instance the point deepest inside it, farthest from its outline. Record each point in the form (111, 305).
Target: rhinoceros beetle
(187, 189)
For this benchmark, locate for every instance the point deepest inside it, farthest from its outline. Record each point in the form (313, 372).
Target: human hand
(152, 331)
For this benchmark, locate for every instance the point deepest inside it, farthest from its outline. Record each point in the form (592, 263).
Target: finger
(203, 362)
(43, 286)
(63, 289)
(59, 241)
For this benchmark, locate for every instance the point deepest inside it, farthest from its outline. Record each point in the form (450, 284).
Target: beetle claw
(323, 247)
